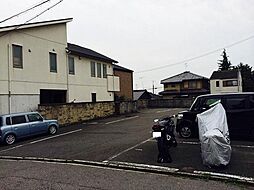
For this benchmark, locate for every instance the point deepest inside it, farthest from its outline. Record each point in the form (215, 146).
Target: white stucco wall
(24, 103)
(4, 107)
(221, 89)
(81, 84)
(25, 84)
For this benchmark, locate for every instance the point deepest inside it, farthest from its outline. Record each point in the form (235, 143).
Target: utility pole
(153, 87)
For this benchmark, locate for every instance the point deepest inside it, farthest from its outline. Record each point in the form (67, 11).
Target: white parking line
(44, 139)
(128, 149)
(124, 119)
(33, 142)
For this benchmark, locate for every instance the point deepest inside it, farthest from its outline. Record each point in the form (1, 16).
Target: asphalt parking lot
(127, 139)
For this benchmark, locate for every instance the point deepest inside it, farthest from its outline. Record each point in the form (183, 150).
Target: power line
(43, 11)
(197, 57)
(22, 12)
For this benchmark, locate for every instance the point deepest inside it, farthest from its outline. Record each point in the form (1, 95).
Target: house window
(17, 56)
(192, 84)
(71, 65)
(98, 70)
(93, 97)
(104, 71)
(173, 85)
(53, 62)
(92, 69)
(217, 83)
(230, 83)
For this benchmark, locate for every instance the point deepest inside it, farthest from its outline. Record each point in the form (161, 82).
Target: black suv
(239, 109)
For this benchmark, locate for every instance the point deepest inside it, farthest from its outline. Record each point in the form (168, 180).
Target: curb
(143, 168)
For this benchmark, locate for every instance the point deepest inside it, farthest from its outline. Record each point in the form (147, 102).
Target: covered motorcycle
(214, 136)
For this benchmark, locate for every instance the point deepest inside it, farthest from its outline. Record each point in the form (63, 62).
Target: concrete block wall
(171, 103)
(128, 107)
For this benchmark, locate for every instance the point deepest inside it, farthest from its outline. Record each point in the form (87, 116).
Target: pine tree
(224, 64)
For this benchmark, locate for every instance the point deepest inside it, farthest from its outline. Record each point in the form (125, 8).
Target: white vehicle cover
(214, 136)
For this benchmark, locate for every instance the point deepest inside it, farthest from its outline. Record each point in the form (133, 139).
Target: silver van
(20, 125)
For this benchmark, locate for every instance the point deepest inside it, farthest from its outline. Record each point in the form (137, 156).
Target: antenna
(186, 66)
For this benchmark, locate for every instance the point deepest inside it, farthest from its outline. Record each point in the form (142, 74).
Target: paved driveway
(127, 139)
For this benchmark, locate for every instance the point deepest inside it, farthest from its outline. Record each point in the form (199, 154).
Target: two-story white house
(38, 66)
(226, 81)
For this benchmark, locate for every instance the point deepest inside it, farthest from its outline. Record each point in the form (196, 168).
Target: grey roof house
(185, 84)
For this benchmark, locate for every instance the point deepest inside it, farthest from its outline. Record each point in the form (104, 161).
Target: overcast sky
(147, 34)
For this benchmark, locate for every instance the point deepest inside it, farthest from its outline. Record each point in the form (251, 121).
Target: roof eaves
(35, 24)
(120, 68)
(88, 53)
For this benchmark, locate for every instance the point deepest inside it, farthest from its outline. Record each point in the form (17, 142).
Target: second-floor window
(192, 84)
(71, 65)
(104, 71)
(53, 62)
(17, 56)
(98, 70)
(92, 69)
(230, 83)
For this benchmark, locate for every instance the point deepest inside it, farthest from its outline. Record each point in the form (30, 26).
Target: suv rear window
(18, 119)
(8, 121)
(236, 103)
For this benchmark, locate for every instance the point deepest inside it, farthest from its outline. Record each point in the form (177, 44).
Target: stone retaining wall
(77, 112)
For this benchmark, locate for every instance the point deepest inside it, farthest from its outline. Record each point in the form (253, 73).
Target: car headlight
(180, 116)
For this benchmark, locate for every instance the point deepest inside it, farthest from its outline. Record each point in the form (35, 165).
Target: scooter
(163, 131)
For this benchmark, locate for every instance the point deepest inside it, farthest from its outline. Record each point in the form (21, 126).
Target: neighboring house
(126, 83)
(226, 81)
(90, 76)
(155, 96)
(183, 85)
(141, 95)
(37, 66)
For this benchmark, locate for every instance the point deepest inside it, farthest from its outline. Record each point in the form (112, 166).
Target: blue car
(20, 125)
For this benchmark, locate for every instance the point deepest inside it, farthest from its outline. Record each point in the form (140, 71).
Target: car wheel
(10, 139)
(52, 129)
(185, 132)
